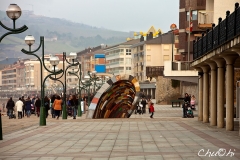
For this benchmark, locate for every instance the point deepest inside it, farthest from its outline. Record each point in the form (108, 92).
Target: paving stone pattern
(167, 136)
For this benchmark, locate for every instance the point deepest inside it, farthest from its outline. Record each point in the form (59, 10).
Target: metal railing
(226, 30)
(154, 71)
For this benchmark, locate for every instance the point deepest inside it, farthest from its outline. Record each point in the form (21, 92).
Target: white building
(119, 58)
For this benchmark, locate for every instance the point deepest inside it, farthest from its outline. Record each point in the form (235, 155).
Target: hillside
(60, 35)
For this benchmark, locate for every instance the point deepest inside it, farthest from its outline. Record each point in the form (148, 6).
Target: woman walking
(10, 107)
(28, 107)
(57, 105)
(38, 105)
(46, 105)
(74, 104)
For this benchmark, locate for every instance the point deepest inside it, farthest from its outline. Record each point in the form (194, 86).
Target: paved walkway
(166, 136)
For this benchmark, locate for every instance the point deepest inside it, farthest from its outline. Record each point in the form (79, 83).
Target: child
(151, 109)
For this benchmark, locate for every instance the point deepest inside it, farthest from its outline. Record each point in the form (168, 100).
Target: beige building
(151, 53)
(33, 78)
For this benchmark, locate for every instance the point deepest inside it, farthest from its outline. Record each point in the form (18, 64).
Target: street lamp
(87, 84)
(29, 40)
(13, 12)
(53, 61)
(79, 87)
(93, 77)
(173, 27)
(72, 56)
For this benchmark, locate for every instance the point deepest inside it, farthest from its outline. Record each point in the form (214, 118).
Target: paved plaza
(167, 136)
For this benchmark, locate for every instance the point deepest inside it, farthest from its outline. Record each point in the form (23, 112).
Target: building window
(128, 68)
(194, 15)
(148, 57)
(128, 51)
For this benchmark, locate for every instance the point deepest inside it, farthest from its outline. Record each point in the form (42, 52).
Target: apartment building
(91, 58)
(203, 13)
(119, 58)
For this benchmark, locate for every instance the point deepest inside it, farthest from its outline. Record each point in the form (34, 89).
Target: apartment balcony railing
(154, 71)
(226, 30)
(181, 66)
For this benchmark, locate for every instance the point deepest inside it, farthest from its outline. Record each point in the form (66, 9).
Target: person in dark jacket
(10, 107)
(144, 103)
(74, 103)
(23, 110)
(46, 105)
(186, 100)
(38, 105)
(28, 107)
(52, 108)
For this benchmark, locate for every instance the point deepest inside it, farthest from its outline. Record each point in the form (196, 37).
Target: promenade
(167, 136)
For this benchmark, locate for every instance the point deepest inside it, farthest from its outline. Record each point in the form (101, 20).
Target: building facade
(119, 58)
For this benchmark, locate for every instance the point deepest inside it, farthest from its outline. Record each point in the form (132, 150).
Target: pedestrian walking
(38, 105)
(57, 105)
(19, 107)
(24, 106)
(74, 104)
(10, 107)
(52, 108)
(46, 105)
(144, 103)
(151, 109)
(28, 107)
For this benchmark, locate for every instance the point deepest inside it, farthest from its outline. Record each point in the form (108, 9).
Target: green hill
(69, 36)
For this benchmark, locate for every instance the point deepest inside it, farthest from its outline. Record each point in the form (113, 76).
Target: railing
(154, 71)
(226, 30)
(205, 17)
(174, 66)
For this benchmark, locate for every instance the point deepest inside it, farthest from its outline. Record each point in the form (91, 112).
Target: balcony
(180, 71)
(154, 71)
(205, 19)
(114, 56)
(224, 32)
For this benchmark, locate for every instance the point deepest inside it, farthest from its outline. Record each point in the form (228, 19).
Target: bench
(176, 102)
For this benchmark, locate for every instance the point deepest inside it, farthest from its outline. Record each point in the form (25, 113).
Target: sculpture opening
(116, 99)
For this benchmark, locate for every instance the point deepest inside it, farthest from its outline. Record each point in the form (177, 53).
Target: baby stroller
(13, 115)
(190, 113)
(138, 110)
(69, 111)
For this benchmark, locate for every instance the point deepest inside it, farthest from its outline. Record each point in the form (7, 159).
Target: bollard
(1, 136)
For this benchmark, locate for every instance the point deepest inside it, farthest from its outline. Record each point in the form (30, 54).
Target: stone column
(205, 94)
(230, 92)
(213, 101)
(220, 92)
(200, 94)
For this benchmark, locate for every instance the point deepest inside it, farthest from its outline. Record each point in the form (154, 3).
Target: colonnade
(221, 71)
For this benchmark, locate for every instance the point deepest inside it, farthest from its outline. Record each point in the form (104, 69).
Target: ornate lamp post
(73, 57)
(173, 27)
(93, 78)
(13, 12)
(87, 83)
(53, 61)
(79, 88)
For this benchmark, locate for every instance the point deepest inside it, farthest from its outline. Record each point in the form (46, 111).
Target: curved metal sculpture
(115, 99)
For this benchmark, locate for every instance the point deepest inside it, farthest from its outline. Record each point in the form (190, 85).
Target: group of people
(25, 107)
(143, 104)
(189, 104)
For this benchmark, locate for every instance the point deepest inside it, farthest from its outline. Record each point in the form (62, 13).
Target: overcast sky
(119, 15)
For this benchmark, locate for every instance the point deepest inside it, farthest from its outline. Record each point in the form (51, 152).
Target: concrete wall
(164, 91)
(190, 88)
(221, 6)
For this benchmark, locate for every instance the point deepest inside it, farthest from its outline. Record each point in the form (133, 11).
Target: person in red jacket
(151, 109)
